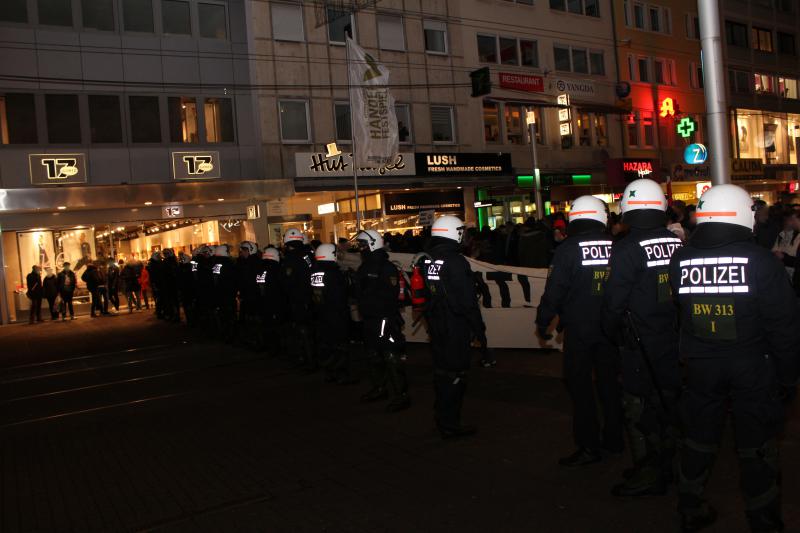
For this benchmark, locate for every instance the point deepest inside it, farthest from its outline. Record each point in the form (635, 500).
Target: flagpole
(352, 131)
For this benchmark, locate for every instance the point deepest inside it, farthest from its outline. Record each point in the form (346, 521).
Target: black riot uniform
(270, 305)
(574, 293)
(168, 288)
(740, 336)
(186, 290)
(246, 272)
(204, 284)
(296, 271)
(329, 296)
(454, 319)
(223, 272)
(638, 304)
(377, 289)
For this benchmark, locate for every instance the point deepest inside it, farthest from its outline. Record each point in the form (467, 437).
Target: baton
(648, 363)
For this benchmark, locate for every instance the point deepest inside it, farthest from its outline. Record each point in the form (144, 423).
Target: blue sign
(695, 154)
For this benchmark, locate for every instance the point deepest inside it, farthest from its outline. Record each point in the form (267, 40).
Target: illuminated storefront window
(763, 135)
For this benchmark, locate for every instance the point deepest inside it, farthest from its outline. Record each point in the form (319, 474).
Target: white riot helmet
(449, 227)
(249, 246)
(370, 239)
(293, 235)
(325, 252)
(588, 208)
(223, 250)
(203, 250)
(729, 204)
(643, 194)
(271, 254)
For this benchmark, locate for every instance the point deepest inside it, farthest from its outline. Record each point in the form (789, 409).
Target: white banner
(372, 108)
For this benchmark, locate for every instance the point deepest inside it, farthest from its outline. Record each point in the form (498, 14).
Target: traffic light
(481, 81)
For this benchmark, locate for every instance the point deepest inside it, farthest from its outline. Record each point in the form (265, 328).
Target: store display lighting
(220, 199)
(62, 207)
(148, 203)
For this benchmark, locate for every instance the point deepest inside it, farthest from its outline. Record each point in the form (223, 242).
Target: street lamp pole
(714, 78)
(797, 149)
(531, 119)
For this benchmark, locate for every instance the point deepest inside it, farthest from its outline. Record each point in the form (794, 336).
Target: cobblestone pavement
(127, 424)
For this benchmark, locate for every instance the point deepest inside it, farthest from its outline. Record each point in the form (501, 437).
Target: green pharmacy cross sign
(686, 127)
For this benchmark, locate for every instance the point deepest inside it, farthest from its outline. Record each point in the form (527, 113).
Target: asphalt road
(128, 424)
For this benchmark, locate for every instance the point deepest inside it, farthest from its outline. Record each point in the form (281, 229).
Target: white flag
(372, 107)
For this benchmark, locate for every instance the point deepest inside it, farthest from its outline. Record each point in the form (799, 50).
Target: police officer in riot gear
(168, 286)
(202, 262)
(331, 314)
(574, 293)
(638, 313)
(271, 300)
(454, 320)
(247, 265)
(186, 287)
(223, 271)
(740, 337)
(296, 271)
(378, 287)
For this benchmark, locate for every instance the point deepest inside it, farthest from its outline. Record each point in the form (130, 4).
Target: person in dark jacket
(767, 226)
(155, 280)
(187, 295)
(271, 301)
(168, 287)
(329, 293)
(113, 282)
(204, 287)
(130, 282)
(454, 320)
(247, 265)
(50, 286)
(91, 277)
(639, 315)
(223, 271)
(740, 335)
(377, 290)
(66, 283)
(574, 293)
(535, 245)
(35, 292)
(296, 269)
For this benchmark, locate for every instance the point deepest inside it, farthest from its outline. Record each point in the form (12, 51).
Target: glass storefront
(765, 135)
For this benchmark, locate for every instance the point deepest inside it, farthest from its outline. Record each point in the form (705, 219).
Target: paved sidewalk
(179, 434)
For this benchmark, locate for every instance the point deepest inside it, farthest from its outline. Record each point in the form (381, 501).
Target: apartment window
(287, 22)
(294, 120)
(442, 124)
(212, 21)
(435, 36)
(655, 18)
(105, 119)
(736, 34)
(145, 116)
(600, 130)
(390, 33)
(761, 39)
(218, 114)
(695, 75)
(182, 114)
(63, 118)
(786, 44)
(692, 23)
(516, 124)
(740, 81)
(18, 119)
(561, 56)
(340, 23)
(580, 62)
(584, 129)
(787, 87)
(763, 83)
(647, 128)
(597, 64)
(137, 15)
(508, 51)
(580, 7)
(491, 122)
(529, 53)
(55, 12)
(487, 48)
(632, 127)
(638, 16)
(664, 71)
(658, 70)
(175, 17)
(644, 69)
(341, 116)
(785, 6)
(403, 114)
(14, 10)
(98, 14)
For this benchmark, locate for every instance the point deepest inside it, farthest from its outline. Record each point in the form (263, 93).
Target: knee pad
(695, 466)
(633, 407)
(760, 475)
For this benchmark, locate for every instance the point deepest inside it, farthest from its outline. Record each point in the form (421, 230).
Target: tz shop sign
(57, 169)
(196, 165)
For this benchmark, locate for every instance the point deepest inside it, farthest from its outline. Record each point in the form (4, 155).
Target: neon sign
(667, 107)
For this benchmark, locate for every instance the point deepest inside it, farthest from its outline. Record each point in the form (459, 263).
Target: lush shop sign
(412, 203)
(318, 165)
(463, 164)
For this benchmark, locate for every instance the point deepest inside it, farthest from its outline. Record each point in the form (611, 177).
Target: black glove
(543, 334)
(787, 393)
